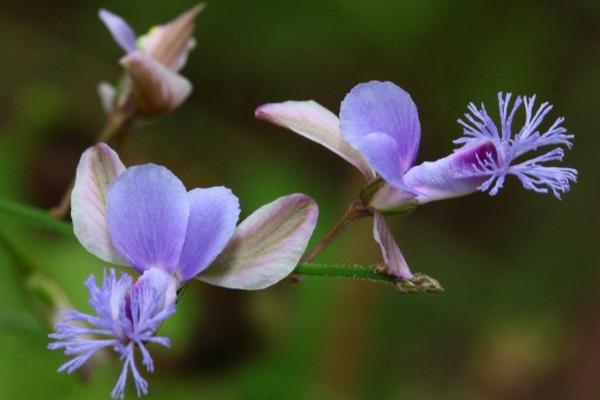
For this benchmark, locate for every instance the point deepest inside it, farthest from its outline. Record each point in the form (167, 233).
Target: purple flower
(379, 132)
(127, 317)
(381, 121)
(153, 62)
(146, 219)
(143, 217)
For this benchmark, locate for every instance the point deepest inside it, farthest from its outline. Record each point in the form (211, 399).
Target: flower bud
(170, 43)
(156, 88)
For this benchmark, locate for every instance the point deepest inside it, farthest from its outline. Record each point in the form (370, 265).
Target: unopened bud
(156, 88)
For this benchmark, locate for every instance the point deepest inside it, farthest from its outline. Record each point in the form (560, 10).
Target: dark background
(520, 318)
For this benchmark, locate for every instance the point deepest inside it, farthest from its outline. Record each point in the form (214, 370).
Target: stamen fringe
(478, 127)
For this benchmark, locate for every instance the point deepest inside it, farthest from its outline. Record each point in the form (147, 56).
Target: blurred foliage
(519, 318)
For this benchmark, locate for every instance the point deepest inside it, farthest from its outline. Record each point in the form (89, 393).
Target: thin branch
(117, 124)
(353, 213)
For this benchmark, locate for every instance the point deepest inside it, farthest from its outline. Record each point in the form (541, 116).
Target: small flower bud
(170, 43)
(157, 89)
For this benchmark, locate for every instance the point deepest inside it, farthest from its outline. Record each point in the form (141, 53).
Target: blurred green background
(520, 316)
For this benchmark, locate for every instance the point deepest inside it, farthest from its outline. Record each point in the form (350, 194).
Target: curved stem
(354, 212)
(116, 124)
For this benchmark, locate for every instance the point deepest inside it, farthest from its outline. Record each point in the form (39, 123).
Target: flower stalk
(421, 283)
(118, 125)
(354, 212)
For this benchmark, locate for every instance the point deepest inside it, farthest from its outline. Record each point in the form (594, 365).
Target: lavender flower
(143, 217)
(127, 318)
(379, 132)
(153, 62)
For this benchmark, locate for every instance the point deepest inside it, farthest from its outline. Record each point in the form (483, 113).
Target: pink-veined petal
(314, 122)
(170, 43)
(97, 168)
(157, 88)
(266, 246)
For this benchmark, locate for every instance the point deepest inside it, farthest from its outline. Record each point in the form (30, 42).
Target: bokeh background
(520, 318)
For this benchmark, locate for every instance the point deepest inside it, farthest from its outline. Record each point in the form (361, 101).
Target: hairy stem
(419, 284)
(116, 125)
(354, 212)
(365, 272)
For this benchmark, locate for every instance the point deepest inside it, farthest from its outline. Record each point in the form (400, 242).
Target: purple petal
(386, 108)
(157, 88)
(214, 213)
(314, 122)
(120, 30)
(266, 246)
(392, 256)
(456, 175)
(381, 150)
(97, 168)
(148, 211)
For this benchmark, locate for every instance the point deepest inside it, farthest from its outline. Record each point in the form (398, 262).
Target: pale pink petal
(157, 88)
(314, 122)
(266, 246)
(107, 93)
(98, 166)
(392, 256)
(390, 200)
(170, 43)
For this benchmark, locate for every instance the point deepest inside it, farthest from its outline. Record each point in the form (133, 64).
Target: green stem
(364, 272)
(117, 124)
(355, 211)
(34, 216)
(420, 283)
